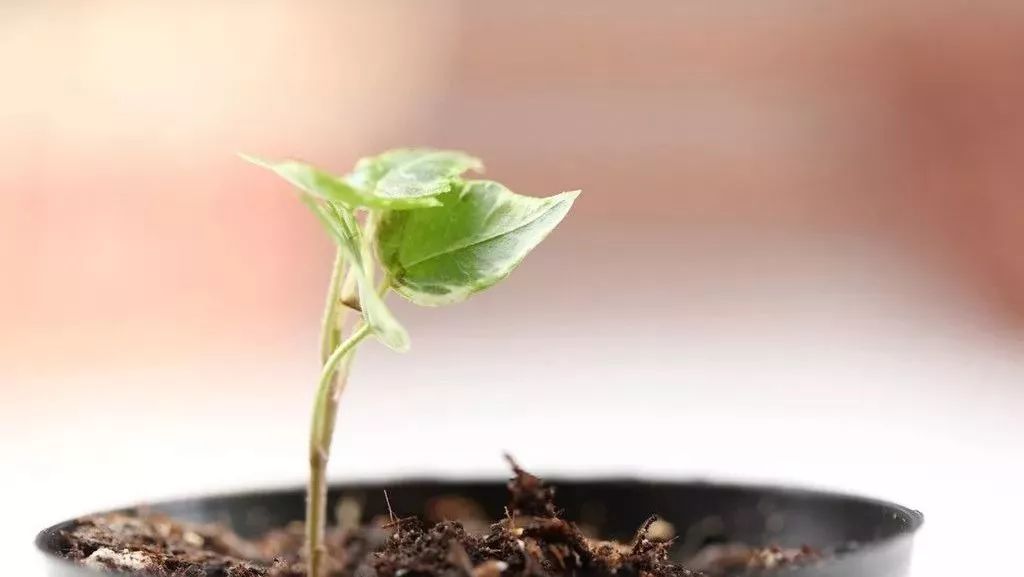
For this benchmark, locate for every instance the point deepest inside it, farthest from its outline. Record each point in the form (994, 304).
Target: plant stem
(333, 378)
(330, 329)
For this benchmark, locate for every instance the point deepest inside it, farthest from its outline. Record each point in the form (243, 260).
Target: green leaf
(483, 230)
(325, 186)
(412, 173)
(345, 230)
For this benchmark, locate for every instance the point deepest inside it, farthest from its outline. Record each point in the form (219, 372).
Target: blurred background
(797, 258)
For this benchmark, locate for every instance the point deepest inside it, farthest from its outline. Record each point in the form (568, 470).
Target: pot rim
(914, 518)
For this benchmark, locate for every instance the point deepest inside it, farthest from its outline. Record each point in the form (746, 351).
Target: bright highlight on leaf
(483, 230)
(412, 172)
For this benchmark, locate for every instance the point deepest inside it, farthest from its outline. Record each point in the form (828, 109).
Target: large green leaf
(343, 228)
(412, 173)
(477, 237)
(325, 186)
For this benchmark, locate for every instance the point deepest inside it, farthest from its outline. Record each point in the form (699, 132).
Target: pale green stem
(333, 378)
(330, 329)
(337, 360)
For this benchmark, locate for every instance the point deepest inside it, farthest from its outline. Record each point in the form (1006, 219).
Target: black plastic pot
(864, 537)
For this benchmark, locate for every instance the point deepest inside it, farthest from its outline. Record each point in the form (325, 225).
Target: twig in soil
(395, 522)
(516, 469)
(391, 512)
(399, 522)
(641, 534)
(530, 496)
(511, 516)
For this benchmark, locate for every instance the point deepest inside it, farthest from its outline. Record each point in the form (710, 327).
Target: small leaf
(343, 228)
(325, 186)
(483, 230)
(384, 324)
(411, 173)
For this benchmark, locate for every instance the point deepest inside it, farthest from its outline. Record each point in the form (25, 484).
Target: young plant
(435, 237)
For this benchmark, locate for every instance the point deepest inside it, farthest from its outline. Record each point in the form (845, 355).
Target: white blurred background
(797, 257)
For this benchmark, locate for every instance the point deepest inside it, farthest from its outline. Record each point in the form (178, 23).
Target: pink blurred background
(799, 220)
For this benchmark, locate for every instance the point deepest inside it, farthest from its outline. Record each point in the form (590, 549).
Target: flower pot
(852, 536)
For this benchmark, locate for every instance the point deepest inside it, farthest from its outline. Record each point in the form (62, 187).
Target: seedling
(436, 239)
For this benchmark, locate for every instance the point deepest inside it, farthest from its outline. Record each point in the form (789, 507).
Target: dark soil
(531, 541)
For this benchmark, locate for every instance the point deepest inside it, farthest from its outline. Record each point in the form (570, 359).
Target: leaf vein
(475, 242)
